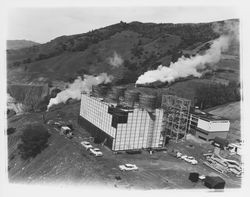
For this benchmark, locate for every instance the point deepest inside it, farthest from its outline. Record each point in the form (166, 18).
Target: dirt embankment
(30, 96)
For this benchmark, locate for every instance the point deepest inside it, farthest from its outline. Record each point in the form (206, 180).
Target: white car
(96, 151)
(202, 177)
(128, 167)
(189, 159)
(178, 155)
(183, 157)
(86, 145)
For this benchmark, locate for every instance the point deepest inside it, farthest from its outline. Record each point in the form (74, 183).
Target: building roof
(213, 181)
(122, 107)
(206, 116)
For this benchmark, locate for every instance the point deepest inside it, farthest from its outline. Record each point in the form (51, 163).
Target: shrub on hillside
(137, 51)
(210, 95)
(34, 139)
(11, 130)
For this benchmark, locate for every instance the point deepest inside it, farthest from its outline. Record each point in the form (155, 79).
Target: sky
(42, 24)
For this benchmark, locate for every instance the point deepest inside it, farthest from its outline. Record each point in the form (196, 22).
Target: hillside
(126, 51)
(62, 159)
(231, 111)
(20, 44)
(142, 46)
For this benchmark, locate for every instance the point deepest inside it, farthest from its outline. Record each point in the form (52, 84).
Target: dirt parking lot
(157, 171)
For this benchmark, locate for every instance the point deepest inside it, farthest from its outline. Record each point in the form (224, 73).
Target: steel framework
(176, 114)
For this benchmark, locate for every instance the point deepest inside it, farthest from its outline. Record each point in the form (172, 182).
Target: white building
(121, 128)
(207, 126)
(235, 148)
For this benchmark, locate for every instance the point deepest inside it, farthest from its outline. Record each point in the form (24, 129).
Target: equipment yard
(66, 160)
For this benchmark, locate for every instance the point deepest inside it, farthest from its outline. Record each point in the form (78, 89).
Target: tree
(11, 130)
(129, 65)
(42, 56)
(34, 139)
(210, 95)
(27, 61)
(137, 50)
(16, 64)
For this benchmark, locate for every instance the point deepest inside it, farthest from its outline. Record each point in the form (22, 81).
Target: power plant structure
(129, 119)
(176, 115)
(123, 120)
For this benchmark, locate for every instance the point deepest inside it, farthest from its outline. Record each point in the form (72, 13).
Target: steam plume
(13, 105)
(116, 60)
(229, 27)
(195, 65)
(74, 89)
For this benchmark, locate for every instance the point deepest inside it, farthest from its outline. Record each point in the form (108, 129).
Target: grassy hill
(230, 111)
(61, 160)
(142, 46)
(19, 44)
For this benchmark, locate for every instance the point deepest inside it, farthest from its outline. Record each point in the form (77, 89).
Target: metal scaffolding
(176, 113)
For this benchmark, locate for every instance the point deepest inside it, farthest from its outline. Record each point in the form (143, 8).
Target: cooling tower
(148, 102)
(118, 92)
(131, 97)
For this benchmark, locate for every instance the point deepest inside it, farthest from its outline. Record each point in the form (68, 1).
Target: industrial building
(123, 120)
(129, 120)
(206, 126)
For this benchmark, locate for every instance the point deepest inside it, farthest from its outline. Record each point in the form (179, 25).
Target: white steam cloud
(116, 60)
(74, 90)
(228, 28)
(192, 66)
(13, 105)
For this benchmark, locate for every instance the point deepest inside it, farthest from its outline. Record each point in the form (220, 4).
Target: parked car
(178, 154)
(128, 167)
(96, 151)
(183, 157)
(202, 177)
(189, 159)
(86, 145)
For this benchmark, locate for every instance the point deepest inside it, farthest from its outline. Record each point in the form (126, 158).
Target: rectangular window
(203, 132)
(202, 138)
